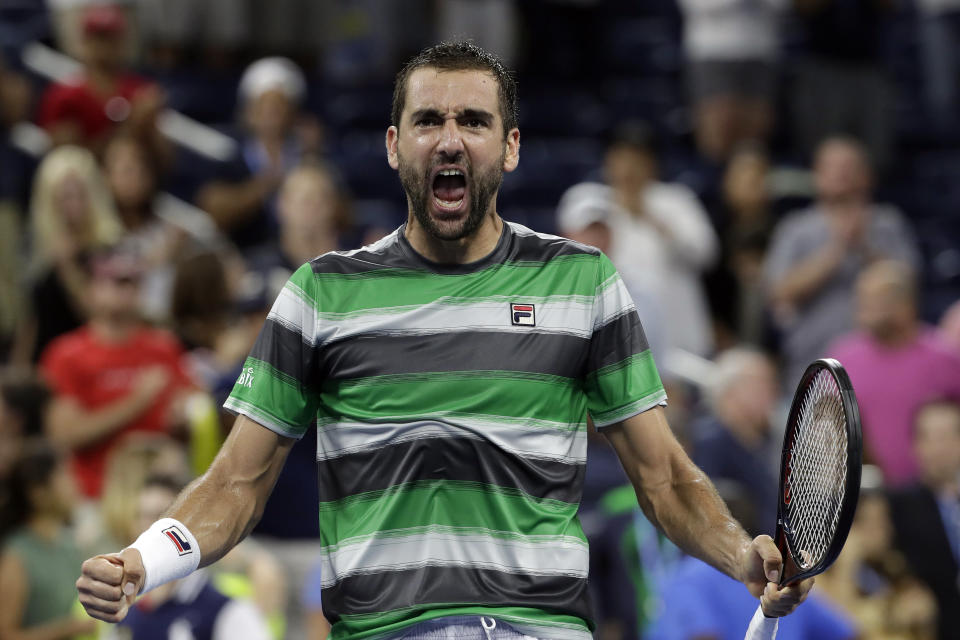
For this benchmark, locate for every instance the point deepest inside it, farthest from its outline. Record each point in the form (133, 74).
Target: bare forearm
(219, 513)
(222, 506)
(691, 513)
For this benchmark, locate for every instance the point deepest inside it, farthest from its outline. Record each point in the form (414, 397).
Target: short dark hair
(459, 56)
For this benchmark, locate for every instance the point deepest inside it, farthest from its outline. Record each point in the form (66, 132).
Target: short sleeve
(621, 378)
(58, 370)
(276, 387)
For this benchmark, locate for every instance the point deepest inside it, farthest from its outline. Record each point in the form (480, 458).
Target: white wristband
(762, 627)
(169, 552)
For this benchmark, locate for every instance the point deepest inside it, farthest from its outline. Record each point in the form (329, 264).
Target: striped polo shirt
(451, 407)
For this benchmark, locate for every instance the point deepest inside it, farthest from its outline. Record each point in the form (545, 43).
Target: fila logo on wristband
(179, 540)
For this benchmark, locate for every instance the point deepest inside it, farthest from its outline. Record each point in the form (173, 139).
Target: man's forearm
(223, 505)
(691, 513)
(675, 494)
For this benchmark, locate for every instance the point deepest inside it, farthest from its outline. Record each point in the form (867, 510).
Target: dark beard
(481, 189)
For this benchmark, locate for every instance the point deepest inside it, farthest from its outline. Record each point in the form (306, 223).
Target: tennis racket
(819, 478)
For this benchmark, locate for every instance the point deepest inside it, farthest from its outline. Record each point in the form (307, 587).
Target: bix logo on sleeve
(178, 539)
(523, 314)
(246, 378)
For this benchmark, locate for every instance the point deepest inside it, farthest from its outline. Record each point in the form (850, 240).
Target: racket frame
(790, 570)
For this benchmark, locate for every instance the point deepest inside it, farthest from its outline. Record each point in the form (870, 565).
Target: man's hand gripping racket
(819, 485)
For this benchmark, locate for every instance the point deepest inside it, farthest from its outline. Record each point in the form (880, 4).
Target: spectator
(133, 177)
(731, 49)
(173, 29)
(17, 166)
(896, 363)
(312, 214)
(871, 582)
(40, 562)
(735, 442)
(585, 214)
(926, 515)
(113, 376)
(817, 253)
(697, 602)
(661, 237)
(949, 328)
(15, 103)
(87, 109)
(939, 39)
(735, 285)
(840, 85)
(700, 603)
(191, 607)
(72, 216)
(206, 284)
(276, 138)
(24, 401)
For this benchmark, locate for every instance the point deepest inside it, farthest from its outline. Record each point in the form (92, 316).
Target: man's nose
(450, 141)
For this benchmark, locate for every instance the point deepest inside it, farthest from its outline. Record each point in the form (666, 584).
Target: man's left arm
(680, 500)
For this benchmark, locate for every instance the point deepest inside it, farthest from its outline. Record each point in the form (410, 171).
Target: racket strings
(816, 470)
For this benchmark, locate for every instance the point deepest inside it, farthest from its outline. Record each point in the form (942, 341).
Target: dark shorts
(754, 79)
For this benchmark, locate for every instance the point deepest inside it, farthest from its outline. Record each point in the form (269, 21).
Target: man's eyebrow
(431, 112)
(476, 113)
(425, 113)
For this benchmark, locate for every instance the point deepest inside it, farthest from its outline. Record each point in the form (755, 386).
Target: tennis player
(450, 369)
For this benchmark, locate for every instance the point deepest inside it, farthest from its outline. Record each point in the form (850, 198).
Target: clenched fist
(109, 584)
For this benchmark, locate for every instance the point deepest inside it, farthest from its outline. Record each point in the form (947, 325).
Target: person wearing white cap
(241, 197)
(659, 236)
(585, 214)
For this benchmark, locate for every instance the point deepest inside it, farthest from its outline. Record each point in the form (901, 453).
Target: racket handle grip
(762, 627)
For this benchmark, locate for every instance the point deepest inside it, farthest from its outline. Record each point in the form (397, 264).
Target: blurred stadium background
(777, 180)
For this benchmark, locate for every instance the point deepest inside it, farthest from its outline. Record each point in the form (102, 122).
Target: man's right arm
(219, 509)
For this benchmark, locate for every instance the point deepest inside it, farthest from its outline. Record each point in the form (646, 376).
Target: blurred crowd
(772, 178)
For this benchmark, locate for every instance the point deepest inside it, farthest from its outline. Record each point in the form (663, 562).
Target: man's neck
(463, 251)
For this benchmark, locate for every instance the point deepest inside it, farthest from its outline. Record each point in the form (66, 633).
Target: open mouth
(449, 189)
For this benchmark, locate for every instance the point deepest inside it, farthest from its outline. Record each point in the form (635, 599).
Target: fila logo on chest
(523, 314)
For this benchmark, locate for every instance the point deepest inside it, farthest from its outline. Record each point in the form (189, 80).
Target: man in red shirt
(87, 109)
(113, 376)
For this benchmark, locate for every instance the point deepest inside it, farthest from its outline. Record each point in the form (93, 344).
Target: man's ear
(512, 156)
(392, 136)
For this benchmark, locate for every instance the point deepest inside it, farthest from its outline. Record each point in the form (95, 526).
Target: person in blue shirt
(700, 602)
